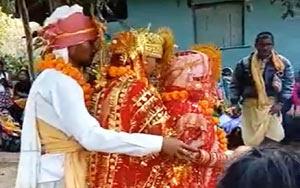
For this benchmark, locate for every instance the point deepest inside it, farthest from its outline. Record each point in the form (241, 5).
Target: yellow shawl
(258, 79)
(55, 141)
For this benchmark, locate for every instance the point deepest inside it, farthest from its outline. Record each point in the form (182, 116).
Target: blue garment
(225, 86)
(242, 84)
(230, 125)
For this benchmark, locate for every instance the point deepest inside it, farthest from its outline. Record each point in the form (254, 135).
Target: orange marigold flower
(204, 104)
(175, 95)
(59, 66)
(215, 120)
(163, 95)
(60, 60)
(222, 136)
(183, 94)
(113, 71)
(87, 97)
(168, 97)
(85, 88)
(78, 76)
(88, 103)
(122, 71)
(39, 66)
(81, 82)
(209, 111)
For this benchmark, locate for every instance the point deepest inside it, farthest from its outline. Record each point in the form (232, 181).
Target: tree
(290, 7)
(38, 10)
(25, 18)
(12, 42)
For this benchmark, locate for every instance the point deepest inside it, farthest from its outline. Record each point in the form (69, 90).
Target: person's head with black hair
(23, 75)
(264, 35)
(265, 167)
(264, 44)
(227, 71)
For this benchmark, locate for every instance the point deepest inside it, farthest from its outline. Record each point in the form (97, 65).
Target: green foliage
(8, 6)
(13, 48)
(14, 64)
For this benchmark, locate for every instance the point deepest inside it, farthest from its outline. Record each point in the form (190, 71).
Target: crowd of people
(14, 91)
(134, 113)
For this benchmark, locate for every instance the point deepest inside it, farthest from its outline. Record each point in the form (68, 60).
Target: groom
(57, 127)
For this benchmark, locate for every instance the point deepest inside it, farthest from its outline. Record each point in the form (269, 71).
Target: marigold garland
(222, 139)
(115, 71)
(175, 95)
(204, 104)
(208, 110)
(50, 62)
(215, 120)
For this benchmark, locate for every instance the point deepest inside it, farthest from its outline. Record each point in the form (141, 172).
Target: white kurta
(58, 100)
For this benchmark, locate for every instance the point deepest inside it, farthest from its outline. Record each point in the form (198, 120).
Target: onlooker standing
(264, 80)
(225, 84)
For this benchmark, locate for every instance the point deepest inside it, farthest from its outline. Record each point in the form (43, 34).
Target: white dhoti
(57, 184)
(259, 124)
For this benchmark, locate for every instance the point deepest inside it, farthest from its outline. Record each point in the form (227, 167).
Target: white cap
(62, 13)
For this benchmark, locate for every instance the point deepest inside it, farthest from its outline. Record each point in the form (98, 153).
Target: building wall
(176, 14)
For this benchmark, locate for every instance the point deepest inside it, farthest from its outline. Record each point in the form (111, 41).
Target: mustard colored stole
(257, 74)
(75, 166)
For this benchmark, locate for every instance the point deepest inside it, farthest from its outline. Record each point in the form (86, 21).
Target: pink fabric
(77, 22)
(295, 97)
(191, 71)
(188, 70)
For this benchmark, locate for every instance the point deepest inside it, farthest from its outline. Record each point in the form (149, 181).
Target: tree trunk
(25, 18)
(51, 5)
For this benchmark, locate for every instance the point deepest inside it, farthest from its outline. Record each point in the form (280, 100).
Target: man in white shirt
(56, 105)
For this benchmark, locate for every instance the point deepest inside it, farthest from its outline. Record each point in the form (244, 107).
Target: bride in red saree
(190, 95)
(127, 102)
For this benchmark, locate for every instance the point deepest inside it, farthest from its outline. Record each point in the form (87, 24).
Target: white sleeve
(68, 102)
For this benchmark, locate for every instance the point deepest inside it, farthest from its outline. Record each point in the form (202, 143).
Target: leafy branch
(290, 7)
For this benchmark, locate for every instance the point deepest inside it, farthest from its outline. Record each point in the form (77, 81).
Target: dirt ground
(8, 169)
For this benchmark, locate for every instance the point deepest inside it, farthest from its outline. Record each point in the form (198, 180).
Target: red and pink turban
(72, 30)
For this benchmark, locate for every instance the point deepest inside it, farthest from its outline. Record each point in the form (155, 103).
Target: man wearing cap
(57, 129)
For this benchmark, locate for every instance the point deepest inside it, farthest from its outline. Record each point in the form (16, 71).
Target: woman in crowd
(225, 83)
(23, 85)
(5, 86)
(21, 91)
(10, 130)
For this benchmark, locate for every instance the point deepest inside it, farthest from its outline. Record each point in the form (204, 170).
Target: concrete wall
(176, 14)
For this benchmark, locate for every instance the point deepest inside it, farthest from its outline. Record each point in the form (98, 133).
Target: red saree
(129, 105)
(192, 117)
